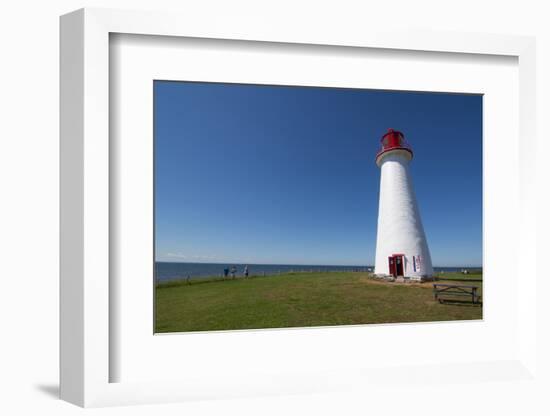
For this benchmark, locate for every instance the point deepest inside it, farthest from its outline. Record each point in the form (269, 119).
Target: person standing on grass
(225, 272)
(233, 271)
(246, 271)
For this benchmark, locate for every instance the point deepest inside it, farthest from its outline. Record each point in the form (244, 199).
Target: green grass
(303, 299)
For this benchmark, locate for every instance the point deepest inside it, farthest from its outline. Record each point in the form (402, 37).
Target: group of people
(233, 271)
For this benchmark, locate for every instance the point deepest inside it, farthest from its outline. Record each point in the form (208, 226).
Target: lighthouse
(401, 245)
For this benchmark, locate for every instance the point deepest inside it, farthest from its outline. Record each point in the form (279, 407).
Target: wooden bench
(455, 290)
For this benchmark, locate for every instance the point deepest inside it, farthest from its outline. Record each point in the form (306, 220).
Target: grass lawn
(303, 299)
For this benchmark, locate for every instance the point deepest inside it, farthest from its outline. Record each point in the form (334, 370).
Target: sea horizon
(302, 264)
(174, 270)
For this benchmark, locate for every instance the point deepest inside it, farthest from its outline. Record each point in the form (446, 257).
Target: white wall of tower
(400, 228)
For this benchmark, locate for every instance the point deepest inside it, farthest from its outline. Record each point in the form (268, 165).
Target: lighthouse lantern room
(401, 245)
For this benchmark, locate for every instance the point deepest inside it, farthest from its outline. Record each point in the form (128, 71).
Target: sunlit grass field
(302, 300)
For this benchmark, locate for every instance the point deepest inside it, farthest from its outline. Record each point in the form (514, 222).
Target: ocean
(166, 271)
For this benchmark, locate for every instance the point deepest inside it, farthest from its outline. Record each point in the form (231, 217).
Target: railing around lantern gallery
(392, 145)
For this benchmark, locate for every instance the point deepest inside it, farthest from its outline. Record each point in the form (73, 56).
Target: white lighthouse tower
(401, 246)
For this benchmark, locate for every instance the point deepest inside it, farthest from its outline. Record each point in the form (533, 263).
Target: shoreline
(208, 279)
(464, 278)
(172, 271)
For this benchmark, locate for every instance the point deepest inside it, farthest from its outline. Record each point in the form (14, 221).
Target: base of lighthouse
(407, 267)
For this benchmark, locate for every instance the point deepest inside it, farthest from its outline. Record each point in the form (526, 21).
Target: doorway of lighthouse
(396, 265)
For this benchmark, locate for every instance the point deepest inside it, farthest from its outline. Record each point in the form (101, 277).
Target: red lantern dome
(393, 140)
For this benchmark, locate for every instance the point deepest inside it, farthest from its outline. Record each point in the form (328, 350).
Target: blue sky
(286, 175)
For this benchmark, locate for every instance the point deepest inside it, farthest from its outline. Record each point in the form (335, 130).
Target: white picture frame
(86, 165)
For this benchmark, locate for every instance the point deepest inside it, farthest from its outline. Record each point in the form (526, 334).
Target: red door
(391, 261)
(398, 265)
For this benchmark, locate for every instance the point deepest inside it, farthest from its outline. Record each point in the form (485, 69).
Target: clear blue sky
(286, 175)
